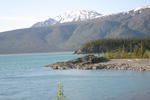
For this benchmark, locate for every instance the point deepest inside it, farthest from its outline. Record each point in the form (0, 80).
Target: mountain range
(69, 16)
(69, 30)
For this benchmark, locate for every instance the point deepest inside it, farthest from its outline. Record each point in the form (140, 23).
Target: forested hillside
(113, 45)
(70, 36)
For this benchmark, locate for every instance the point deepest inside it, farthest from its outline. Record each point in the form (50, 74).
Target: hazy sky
(15, 14)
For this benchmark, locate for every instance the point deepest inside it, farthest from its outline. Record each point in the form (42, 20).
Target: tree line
(115, 44)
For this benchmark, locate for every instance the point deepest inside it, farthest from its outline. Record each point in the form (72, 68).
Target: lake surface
(24, 77)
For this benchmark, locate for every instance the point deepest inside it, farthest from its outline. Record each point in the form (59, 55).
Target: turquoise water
(24, 77)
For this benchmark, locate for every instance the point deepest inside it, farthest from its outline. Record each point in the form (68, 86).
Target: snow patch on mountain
(69, 16)
(135, 11)
(77, 15)
(82, 15)
(141, 8)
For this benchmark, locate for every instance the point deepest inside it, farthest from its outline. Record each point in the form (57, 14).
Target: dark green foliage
(121, 54)
(119, 48)
(121, 45)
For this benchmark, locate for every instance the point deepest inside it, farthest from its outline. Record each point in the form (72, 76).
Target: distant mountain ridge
(69, 16)
(69, 36)
(48, 22)
(81, 15)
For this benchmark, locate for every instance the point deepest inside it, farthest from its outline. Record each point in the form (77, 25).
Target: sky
(16, 14)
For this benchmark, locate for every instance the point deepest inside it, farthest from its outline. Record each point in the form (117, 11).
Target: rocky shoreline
(91, 62)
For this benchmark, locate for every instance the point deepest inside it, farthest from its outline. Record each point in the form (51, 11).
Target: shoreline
(87, 63)
(35, 53)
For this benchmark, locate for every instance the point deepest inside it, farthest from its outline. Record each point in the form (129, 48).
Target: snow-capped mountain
(141, 8)
(77, 15)
(134, 23)
(48, 22)
(137, 10)
(81, 15)
(69, 16)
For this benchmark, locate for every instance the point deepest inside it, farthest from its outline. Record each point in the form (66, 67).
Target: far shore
(91, 62)
(34, 53)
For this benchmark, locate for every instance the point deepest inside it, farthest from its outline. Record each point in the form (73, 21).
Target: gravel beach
(91, 62)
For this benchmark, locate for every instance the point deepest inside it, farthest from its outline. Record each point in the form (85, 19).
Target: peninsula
(91, 62)
(120, 54)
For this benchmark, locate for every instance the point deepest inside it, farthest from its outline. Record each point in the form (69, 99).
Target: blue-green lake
(24, 77)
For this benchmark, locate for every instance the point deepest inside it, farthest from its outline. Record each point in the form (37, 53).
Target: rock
(85, 62)
(91, 62)
(78, 51)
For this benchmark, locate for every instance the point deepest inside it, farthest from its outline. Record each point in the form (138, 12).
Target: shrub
(60, 92)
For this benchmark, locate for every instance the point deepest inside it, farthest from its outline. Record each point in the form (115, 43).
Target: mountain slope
(70, 36)
(124, 25)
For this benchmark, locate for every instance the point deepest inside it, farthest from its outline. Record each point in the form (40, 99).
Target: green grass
(125, 55)
(121, 53)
